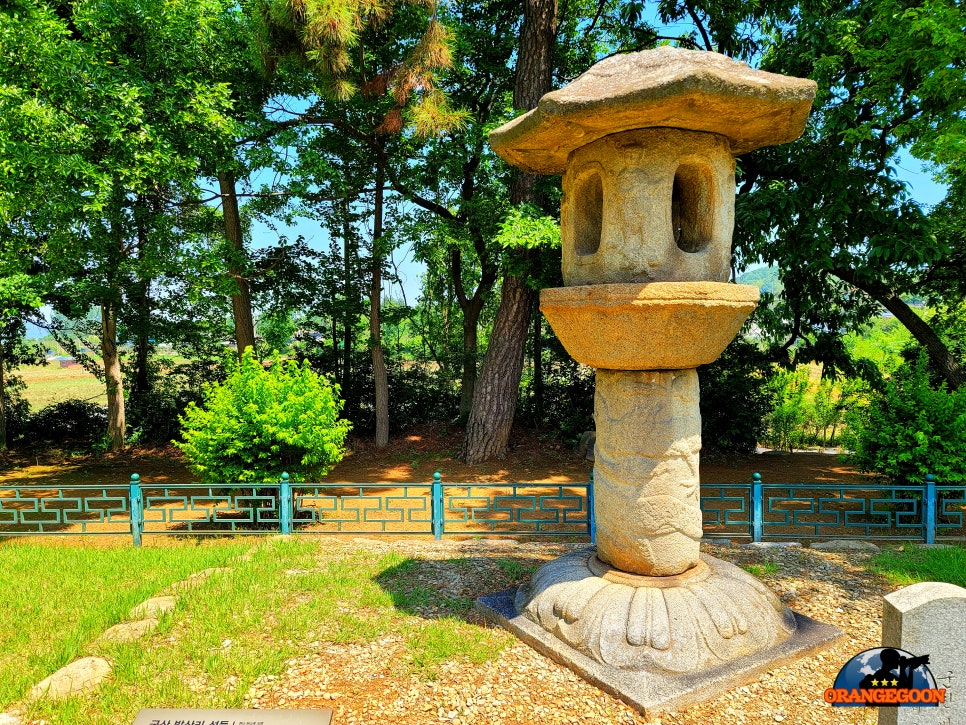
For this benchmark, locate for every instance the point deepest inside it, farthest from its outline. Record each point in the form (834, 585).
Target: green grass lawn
(914, 564)
(47, 384)
(235, 627)
(55, 600)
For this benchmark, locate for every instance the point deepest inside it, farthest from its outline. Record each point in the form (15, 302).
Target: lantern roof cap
(667, 87)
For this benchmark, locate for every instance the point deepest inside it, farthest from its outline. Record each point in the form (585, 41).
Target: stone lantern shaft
(648, 430)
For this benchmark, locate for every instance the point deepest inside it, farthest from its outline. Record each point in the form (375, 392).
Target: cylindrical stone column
(646, 482)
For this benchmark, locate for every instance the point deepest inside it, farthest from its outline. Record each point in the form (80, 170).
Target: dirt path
(412, 457)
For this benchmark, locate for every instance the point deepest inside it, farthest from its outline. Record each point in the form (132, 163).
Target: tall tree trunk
(943, 360)
(142, 303)
(379, 375)
(471, 345)
(494, 400)
(142, 344)
(349, 251)
(538, 365)
(241, 302)
(471, 307)
(334, 326)
(112, 377)
(3, 406)
(488, 429)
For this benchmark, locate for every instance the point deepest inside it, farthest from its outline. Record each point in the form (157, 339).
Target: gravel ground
(365, 683)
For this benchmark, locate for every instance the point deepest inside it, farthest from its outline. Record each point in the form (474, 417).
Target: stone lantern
(646, 144)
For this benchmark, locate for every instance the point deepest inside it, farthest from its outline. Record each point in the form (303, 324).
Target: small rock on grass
(8, 719)
(153, 607)
(845, 545)
(80, 676)
(196, 579)
(491, 543)
(128, 631)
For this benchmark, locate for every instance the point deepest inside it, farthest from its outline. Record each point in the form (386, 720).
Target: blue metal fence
(756, 510)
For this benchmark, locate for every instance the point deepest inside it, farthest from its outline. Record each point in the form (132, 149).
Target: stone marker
(929, 618)
(129, 631)
(158, 716)
(153, 607)
(81, 676)
(585, 446)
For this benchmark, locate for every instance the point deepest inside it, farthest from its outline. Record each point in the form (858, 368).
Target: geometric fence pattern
(757, 510)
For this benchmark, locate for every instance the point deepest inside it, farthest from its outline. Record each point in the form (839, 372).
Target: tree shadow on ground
(441, 588)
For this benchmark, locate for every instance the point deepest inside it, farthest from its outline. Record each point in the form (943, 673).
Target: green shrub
(16, 409)
(735, 399)
(417, 394)
(259, 423)
(790, 412)
(911, 428)
(565, 407)
(73, 420)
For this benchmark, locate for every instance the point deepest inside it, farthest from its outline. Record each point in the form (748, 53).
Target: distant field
(47, 384)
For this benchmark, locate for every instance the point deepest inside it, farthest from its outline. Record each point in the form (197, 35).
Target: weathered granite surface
(655, 326)
(661, 88)
(79, 676)
(845, 545)
(929, 618)
(647, 143)
(129, 631)
(646, 486)
(196, 579)
(153, 607)
(714, 613)
(650, 205)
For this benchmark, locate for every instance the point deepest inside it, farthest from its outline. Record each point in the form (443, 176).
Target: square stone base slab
(652, 693)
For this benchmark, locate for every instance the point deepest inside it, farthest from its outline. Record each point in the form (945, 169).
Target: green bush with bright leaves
(262, 422)
(911, 428)
(736, 399)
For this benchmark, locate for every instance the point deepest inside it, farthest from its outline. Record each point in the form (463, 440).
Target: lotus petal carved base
(711, 614)
(654, 690)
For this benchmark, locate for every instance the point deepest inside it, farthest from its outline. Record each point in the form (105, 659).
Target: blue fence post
(930, 499)
(436, 506)
(136, 500)
(285, 504)
(757, 507)
(591, 520)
